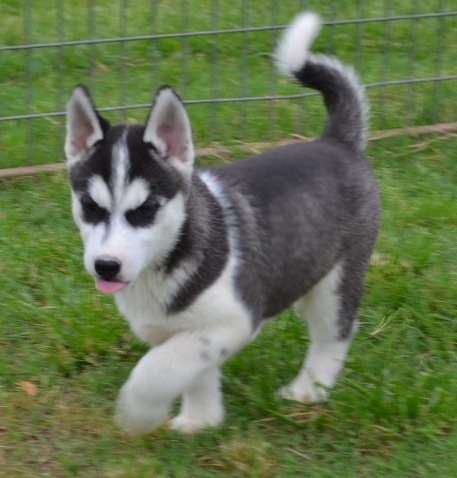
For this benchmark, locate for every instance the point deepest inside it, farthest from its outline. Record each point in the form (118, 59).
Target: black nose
(107, 268)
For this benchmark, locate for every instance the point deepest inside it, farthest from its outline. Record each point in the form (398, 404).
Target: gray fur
(301, 209)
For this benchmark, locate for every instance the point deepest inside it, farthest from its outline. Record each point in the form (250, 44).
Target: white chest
(143, 305)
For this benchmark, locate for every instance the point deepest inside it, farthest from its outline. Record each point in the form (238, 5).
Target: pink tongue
(109, 287)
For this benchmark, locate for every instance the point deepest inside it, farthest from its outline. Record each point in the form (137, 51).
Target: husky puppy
(197, 260)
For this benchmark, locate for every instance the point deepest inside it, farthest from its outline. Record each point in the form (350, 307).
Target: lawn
(209, 66)
(65, 351)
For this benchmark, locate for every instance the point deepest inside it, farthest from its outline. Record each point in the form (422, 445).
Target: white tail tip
(293, 48)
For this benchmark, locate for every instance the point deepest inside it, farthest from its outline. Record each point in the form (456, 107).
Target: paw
(304, 390)
(136, 415)
(188, 424)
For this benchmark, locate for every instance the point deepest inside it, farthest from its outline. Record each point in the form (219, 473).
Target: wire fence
(217, 55)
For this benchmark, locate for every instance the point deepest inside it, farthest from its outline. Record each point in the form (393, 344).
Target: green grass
(212, 67)
(393, 413)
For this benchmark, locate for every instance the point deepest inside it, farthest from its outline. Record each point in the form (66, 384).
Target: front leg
(201, 404)
(176, 368)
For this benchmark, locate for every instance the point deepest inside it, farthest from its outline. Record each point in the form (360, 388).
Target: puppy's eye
(144, 214)
(89, 205)
(92, 211)
(148, 208)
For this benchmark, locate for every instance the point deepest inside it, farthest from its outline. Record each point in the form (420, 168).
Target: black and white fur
(198, 259)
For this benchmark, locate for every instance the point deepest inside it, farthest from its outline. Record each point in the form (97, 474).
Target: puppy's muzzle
(107, 268)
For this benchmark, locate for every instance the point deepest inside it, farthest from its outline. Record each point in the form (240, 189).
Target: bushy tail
(343, 94)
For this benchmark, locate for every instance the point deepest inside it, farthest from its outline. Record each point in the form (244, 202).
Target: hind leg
(331, 322)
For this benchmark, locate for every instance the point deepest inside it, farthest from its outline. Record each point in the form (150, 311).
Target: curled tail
(343, 94)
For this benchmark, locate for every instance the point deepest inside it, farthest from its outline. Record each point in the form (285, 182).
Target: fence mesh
(217, 55)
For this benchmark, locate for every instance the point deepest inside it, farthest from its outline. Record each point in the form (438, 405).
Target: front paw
(136, 414)
(191, 425)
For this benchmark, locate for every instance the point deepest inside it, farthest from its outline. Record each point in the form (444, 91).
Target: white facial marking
(100, 193)
(120, 165)
(135, 194)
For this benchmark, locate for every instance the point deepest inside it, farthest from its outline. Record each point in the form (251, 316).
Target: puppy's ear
(168, 130)
(84, 125)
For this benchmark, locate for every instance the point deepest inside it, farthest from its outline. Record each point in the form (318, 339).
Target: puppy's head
(129, 185)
